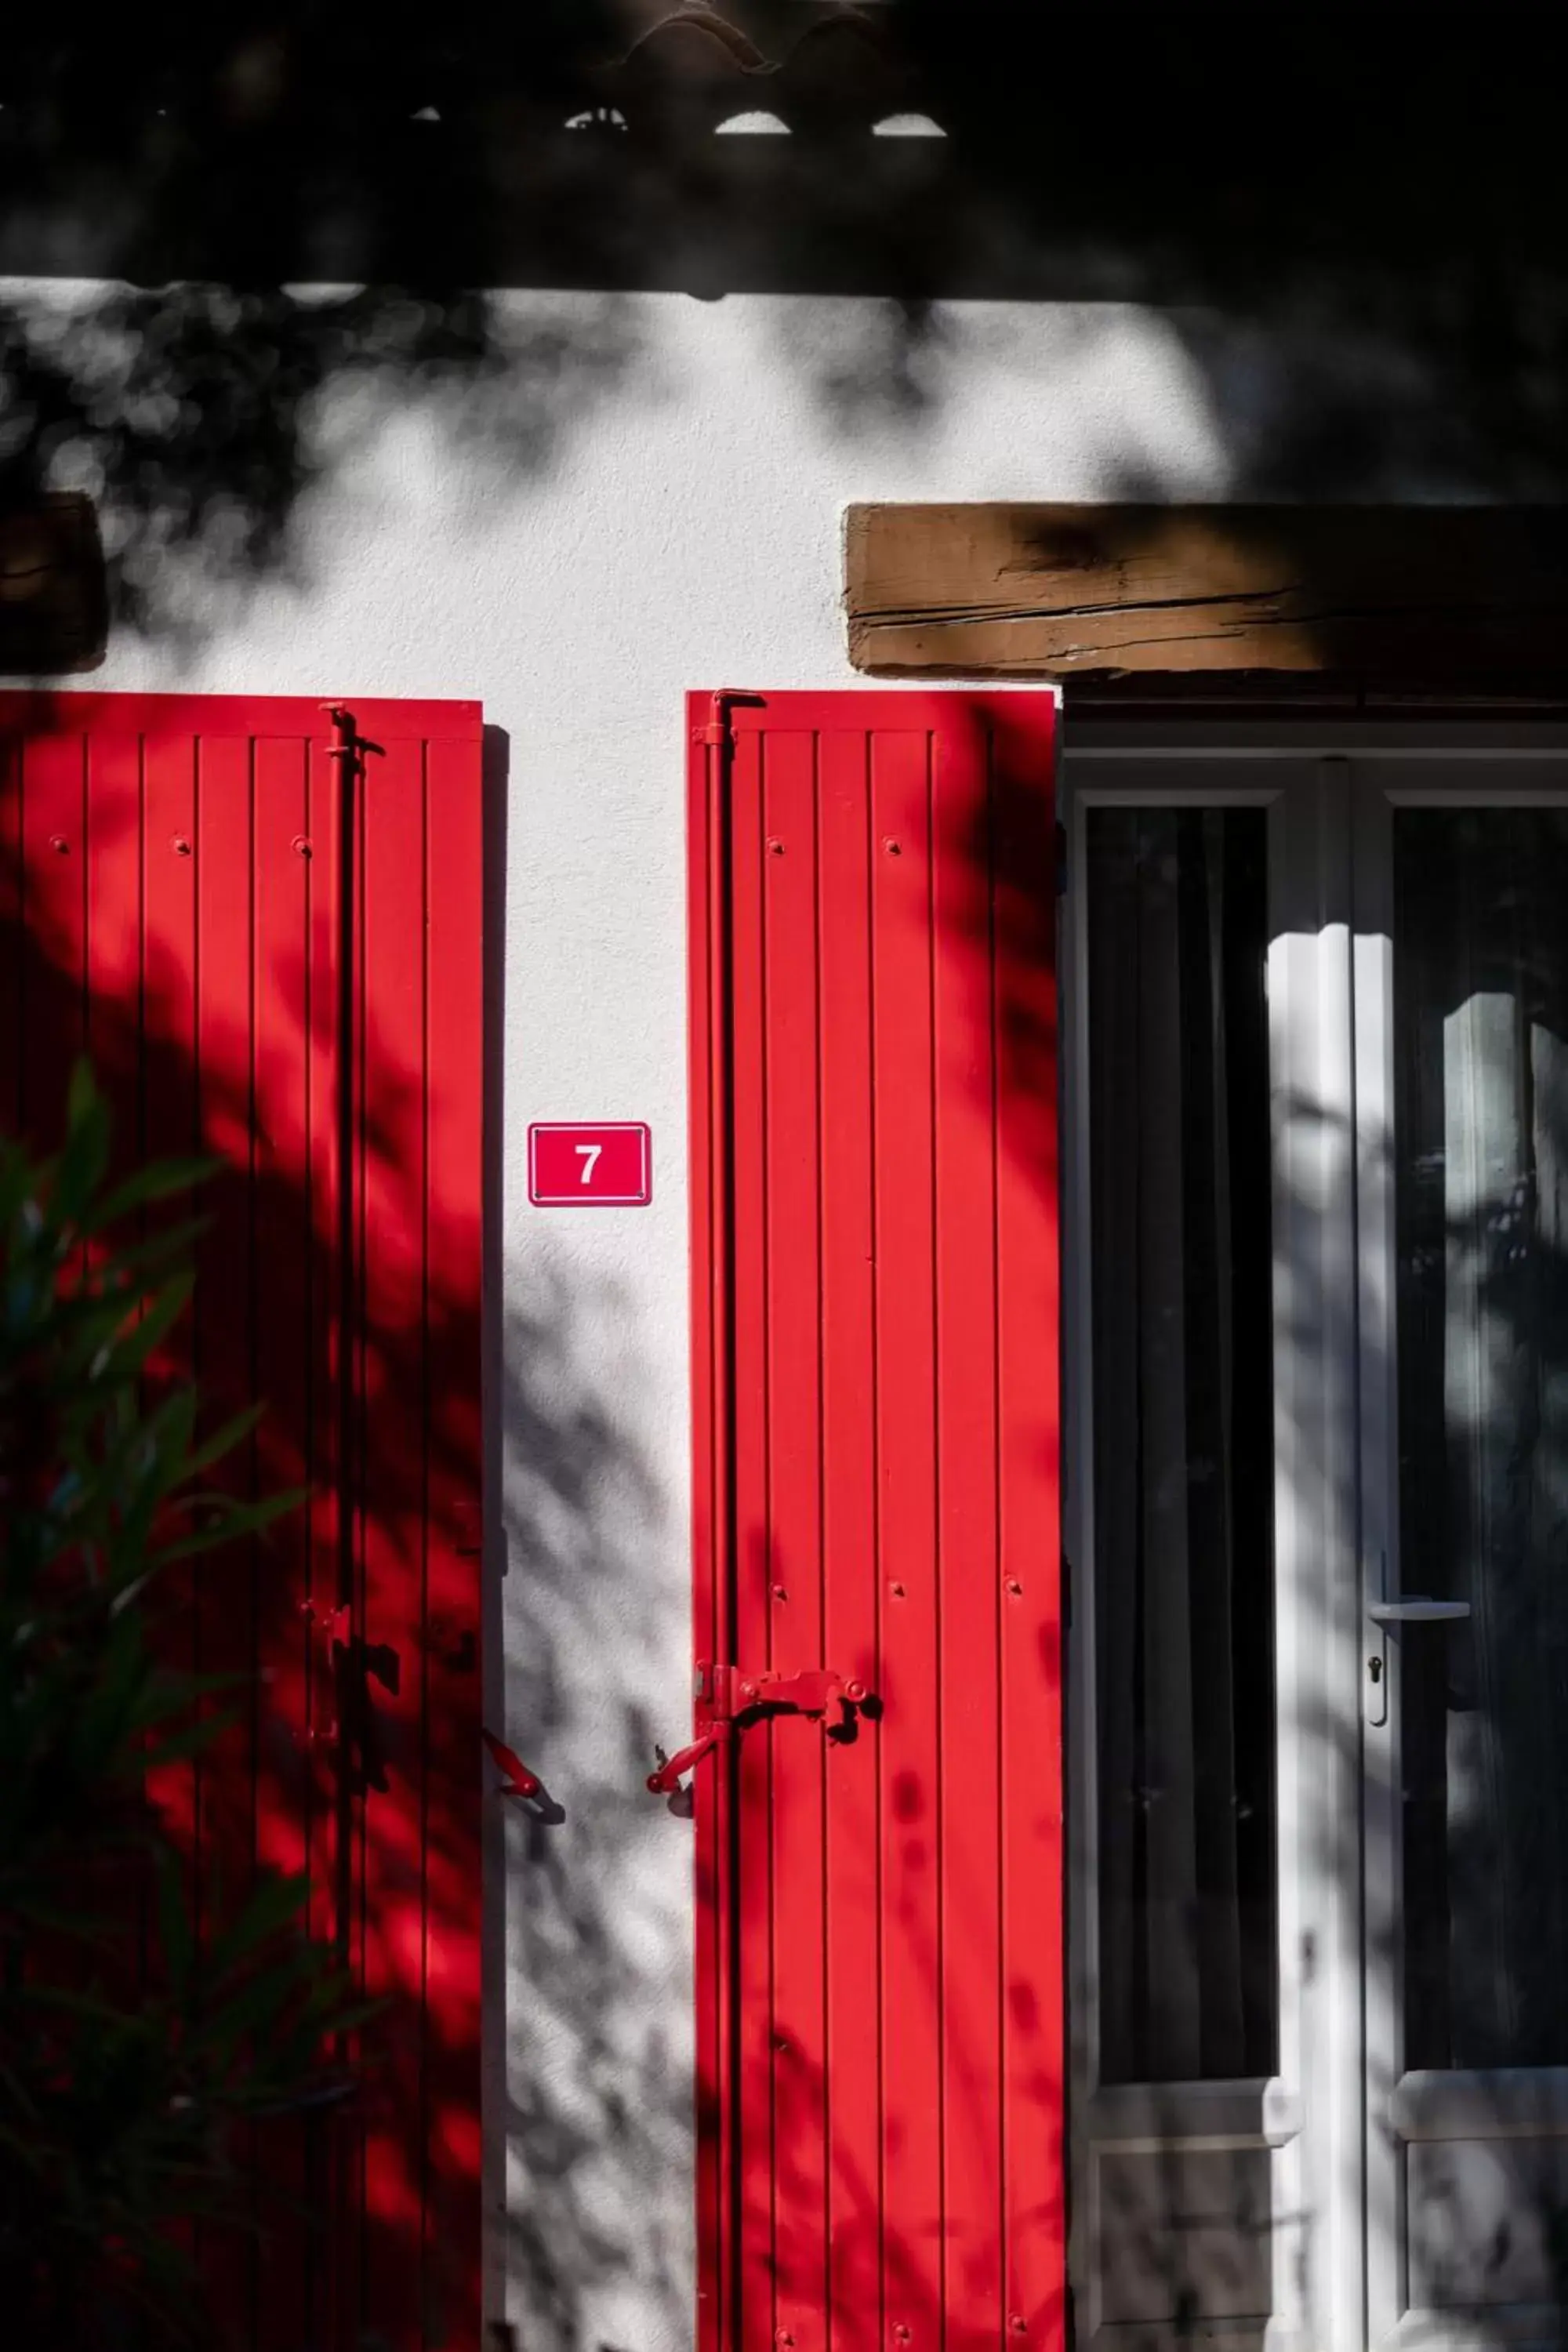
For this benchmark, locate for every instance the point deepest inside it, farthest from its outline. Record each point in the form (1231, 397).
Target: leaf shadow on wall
(590, 2059)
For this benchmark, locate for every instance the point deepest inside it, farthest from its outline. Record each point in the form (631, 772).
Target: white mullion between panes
(1317, 2248)
(1379, 1546)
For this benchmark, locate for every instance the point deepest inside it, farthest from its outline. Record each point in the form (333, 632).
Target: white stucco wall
(649, 500)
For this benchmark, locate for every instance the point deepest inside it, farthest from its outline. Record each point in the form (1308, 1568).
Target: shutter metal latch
(727, 1698)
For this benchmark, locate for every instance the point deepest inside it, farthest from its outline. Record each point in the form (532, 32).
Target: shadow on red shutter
(276, 954)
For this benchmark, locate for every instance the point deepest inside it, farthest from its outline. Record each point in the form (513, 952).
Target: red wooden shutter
(274, 953)
(876, 1347)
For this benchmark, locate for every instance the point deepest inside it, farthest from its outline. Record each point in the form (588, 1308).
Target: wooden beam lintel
(1421, 595)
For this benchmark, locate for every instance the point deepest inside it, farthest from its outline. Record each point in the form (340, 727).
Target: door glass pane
(1183, 1444)
(1482, 1205)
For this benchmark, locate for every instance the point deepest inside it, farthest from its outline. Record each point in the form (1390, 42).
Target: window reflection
(1184, 1441)
(1481, 1204)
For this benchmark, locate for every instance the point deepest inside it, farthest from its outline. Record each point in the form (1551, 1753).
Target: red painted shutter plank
(226, 1589)
(850, 1858)
(890, 2104)
(112, 1003)
(170, 1118)
(908, 1743)
(453, 1105)
(333, 2153)
(788, 1558)
(1033, 1860)
(392, 1476)
(282, 1232)
(54, 822)
(224, 1287)
(752, 1894)
(708, 837)
(12, 1011)
(969, 1596)
(321, 1011)
(169, 1114)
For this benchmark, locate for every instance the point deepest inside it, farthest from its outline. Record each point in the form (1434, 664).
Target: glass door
(1210, 1495)
(1317, 1288)
(1461, 999)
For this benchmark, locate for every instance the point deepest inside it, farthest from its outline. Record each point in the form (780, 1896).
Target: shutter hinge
(348, 746)
(719, 733)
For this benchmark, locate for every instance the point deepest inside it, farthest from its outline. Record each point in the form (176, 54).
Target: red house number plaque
(573, 1164)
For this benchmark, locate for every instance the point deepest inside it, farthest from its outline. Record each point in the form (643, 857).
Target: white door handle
(1412, 1610)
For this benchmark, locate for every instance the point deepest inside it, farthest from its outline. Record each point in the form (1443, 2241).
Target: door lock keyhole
(1375, 1668)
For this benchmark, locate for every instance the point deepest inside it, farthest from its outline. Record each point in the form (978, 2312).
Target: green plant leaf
(229, 1524)
(162, 1313)
(84, 1155)
(274, 1903)
(123, 2085)
(177, 1746)
(176, 1934)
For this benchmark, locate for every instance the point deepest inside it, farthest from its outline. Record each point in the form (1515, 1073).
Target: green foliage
(138, 2058)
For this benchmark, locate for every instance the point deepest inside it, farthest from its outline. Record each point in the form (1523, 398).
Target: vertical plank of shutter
(226, 1370)
(55, 861)
(384, 1742)
(454, 1095)
(707, 935)
(752, 1765)
(111, 1011)
(170, 1123)
(283, 1387)
(113, 934)
(331, 2148)
(13, 936)
(793, 1596)
(170, 1115)
(1024, 915)
(354, 2256)
(910, 1741)
(851, 1602)
(967, 1531)
(169, 1128)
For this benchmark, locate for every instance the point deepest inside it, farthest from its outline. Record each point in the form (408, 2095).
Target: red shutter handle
(725, 1694)
(519, 1781)
(666, 1779)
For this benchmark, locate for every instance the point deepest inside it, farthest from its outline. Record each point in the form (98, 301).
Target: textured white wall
(648, 498)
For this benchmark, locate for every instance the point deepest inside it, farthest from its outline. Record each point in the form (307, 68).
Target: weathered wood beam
(1436, 596)
(54, 613)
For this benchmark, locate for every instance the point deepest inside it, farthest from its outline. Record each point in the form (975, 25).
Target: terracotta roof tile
(809, 62)
(754, 36)
(691, 45)
(759, 32)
